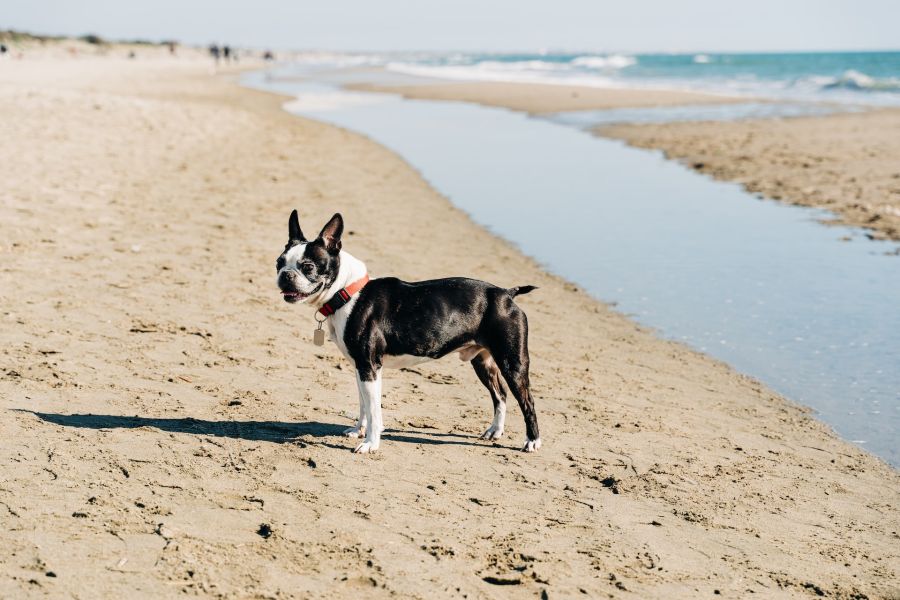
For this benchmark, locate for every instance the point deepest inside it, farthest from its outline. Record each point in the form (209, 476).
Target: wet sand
(169, 427)
(846, 163)
(541, 98)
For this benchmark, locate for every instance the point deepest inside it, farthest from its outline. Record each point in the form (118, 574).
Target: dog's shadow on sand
(263, 431)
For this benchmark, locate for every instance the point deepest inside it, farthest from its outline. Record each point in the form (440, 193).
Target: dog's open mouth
(298, 296)
(294, 296)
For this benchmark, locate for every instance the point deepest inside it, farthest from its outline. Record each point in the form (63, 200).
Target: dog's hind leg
(515, 371)
(510, 352)
(490, 376)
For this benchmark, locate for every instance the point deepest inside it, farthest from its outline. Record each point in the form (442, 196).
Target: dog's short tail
(522, 289)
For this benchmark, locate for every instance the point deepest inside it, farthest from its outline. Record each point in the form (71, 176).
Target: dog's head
(306, 268)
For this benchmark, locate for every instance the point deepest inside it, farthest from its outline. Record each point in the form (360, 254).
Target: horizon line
(538, 51)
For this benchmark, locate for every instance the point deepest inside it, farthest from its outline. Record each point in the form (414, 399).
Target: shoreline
(709, 228)
(840, 162)
(663, 473)
(844, 163)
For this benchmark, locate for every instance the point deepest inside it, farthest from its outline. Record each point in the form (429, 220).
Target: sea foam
(864, 78)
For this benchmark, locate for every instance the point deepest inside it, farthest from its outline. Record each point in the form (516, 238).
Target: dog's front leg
(360, 429)
(368, 379)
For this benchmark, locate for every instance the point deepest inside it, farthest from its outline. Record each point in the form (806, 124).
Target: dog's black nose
(286, 280)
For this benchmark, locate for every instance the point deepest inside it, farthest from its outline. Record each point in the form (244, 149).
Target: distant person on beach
(2, 49)
(214, 52)
(226, 53)
(268, 55)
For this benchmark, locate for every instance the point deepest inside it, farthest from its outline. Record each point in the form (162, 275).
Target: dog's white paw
(532, 445)
(366, 448)
(493, 433)
(354, 432)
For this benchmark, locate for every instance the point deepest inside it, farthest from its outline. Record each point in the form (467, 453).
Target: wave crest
(605, 63)
(854, 80)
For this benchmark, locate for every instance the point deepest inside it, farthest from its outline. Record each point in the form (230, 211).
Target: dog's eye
(307, 268)
(279, 263)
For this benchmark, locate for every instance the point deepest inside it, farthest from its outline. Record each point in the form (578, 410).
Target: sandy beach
(168, 426)
(846, 163)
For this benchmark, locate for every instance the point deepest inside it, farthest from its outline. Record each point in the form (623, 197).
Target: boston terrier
(387, 322)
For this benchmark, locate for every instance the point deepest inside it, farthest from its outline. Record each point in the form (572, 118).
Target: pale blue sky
(624, 25)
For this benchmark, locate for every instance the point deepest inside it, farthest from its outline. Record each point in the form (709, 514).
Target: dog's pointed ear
(294, 233)
(331, 233)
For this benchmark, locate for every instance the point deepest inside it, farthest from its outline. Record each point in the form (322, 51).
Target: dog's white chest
(337, 326)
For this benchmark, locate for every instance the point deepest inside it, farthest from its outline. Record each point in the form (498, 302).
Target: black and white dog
(386, 322)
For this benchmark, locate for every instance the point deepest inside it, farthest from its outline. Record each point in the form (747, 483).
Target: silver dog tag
(319, 336)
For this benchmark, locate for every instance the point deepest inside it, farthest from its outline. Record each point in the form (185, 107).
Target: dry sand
(541, 98)
(163, 410)
(847, 163)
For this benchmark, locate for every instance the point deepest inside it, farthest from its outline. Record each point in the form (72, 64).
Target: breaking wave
(590, 70)
(868, 78)
(613, 61)
(860, 82)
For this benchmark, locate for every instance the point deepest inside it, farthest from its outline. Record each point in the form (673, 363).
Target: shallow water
(760, 285)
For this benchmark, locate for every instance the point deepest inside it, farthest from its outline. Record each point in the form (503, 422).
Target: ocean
(863, 78)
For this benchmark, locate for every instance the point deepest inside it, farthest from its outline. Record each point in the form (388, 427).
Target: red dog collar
(343, 296)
